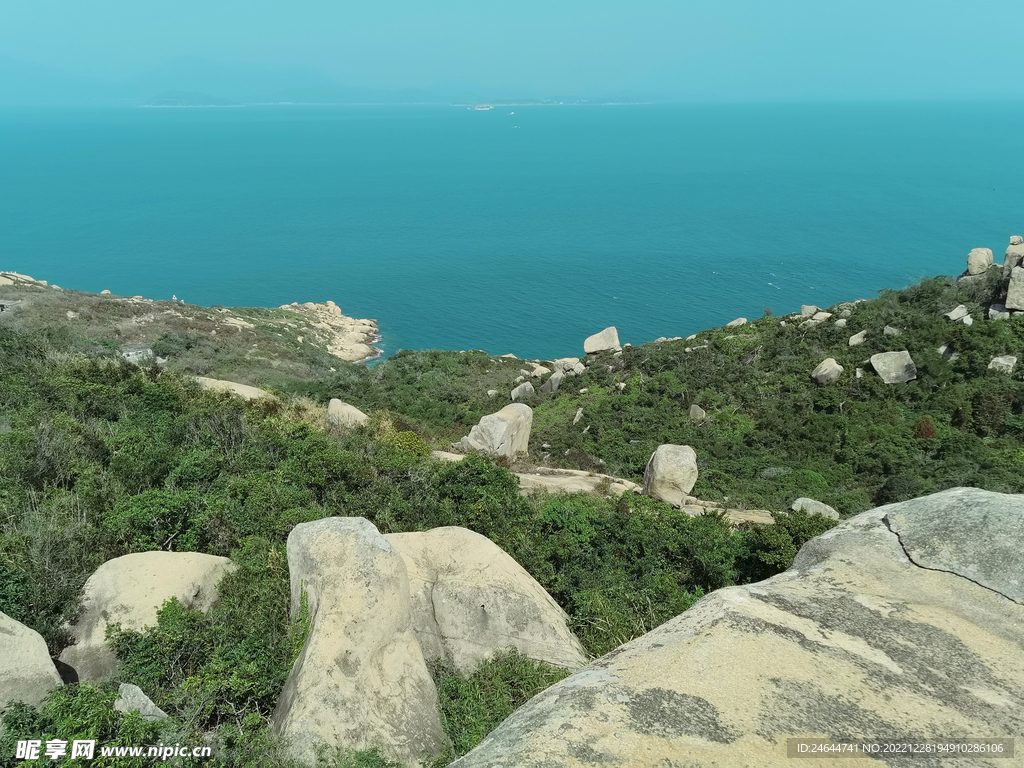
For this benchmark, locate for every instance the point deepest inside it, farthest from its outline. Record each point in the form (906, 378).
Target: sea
(517, 229)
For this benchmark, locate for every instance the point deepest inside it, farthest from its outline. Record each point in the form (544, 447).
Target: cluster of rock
(380, 609)
(857, 640)
(345, 337)
(127, 590)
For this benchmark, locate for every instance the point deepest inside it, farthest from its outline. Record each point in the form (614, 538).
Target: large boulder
(671, 474)
(27, 673)
(341, 415)
(1014, 255)
(608, 339)
(894, 367)
(1015, 289)
(827, 371)
(812, 507)
(471, 599)
(129, 591)
(899, 625)
(505, 433)
(979, 260)
(361, 680)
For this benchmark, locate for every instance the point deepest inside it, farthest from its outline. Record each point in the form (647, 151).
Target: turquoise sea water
(519, 232)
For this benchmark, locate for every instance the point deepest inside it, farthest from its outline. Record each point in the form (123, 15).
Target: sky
(731, 50)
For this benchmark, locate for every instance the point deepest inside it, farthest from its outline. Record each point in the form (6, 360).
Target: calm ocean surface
(515, 233)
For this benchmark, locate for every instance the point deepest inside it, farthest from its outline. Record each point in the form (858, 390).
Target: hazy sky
(721, 49)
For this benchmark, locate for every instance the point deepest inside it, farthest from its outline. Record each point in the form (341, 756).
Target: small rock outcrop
(998, 312)
(342, 415)
(671, 473)
(957, 313)
(891, 331)
(470, 599)
(1015, 289)
(505, 433)
(696, 413)
(812, 507)
(130, 698)
(808, 310)
(736, 323)
(858, 338)
(848, 644)
(894, 367)
(523, 390)
(606, 340)
(553, 382)
(361, 680)
(827, 371)
(1003, 364)
(129, 590)
(26, 672)
(979, 260)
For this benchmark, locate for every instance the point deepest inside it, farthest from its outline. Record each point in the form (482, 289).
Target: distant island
(188, 99)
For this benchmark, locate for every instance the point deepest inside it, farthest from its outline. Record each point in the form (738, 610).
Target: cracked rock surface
(902, 623)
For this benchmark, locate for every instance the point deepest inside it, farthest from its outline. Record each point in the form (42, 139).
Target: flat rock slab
(244, 391)
(855, 641)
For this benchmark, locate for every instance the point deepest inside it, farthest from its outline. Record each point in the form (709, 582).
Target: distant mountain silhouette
(188, 99)
(189, 79)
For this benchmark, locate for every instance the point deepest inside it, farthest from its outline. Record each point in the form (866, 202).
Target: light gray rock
(841, 322)
(736, 323)
(998, 312)
(361, 680)
(820, 317)
(812, 507)
(606, 340)
(564, 363)
(577, 417)
(1003, 364)
(505, 433)
(341, 415)
(894, 367)
(854, 641)
(808, 310)
(492, 393)
(470, 600)
(1014, 256)
(891, 331)
(1015, 289)
(1016, 240)
(26, 672)
(858, 338)
(539, 371)
(966, 320)
(129, 590)
(697, 413)
(979, 260)
(859, 373)
(523, 390)
(577, 369)
(130, 698)
(553, 383)
(958, 313)
(827, 371)
(671, 474)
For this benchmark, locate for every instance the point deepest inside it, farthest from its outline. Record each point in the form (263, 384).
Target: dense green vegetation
(99, 458)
